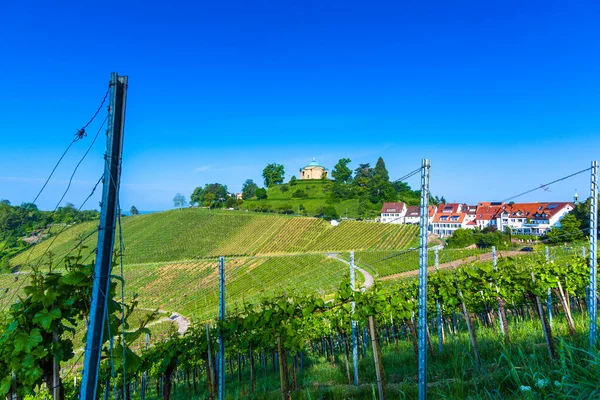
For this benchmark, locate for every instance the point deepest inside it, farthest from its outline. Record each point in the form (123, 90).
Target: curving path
(455, 263)
(369, 281)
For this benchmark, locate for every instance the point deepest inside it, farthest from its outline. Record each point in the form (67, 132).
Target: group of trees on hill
(17, 222)
(213, 195)
(370, 185)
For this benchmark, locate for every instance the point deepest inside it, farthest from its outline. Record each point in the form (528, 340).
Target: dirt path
(455, 263)
(369, 281)
(182, 322)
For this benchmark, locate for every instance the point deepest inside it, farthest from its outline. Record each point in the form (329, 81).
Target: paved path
(367, 276)
(455, 263)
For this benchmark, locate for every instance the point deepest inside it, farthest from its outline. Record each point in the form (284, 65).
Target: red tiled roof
(534, 210)
(438, 217)
(486, 211)
(413, 211)
(392, 207)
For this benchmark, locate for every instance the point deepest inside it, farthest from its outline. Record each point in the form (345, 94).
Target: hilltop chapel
(314, 170)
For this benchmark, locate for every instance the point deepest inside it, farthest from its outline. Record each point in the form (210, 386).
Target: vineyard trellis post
(145, 373)
(354, 323)
(221, 336)
(108, 215)
(440, 326)
(423, 243)
(593, 303)
(503, 328)
(549, 299)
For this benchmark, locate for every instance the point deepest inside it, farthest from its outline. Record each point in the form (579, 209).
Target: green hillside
(170, 258)
(191, 234)
(317, 195)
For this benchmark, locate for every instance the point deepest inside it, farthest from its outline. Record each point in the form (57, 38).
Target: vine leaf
(44, 318)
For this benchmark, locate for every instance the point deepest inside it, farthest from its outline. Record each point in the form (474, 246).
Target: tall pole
(593, 252)
(422, 327)
(354, 323)
(221, 338)
(440, 326)
(106, 235)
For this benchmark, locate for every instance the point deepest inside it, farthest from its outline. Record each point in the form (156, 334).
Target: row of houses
(520, 218)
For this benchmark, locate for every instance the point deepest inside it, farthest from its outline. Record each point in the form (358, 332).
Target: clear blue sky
(501, 96)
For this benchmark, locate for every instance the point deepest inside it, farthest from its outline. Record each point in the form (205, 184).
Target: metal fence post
(108, 216)
(423, 243)
(549, 299)
(440, 326)
(593, 251)
(495, 264)
(221, 338)
(354, 323)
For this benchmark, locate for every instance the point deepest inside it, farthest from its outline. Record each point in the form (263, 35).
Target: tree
(212, 195)
(569, 230)
(362, 178)
(249, 189)
(179, 201)
(134, 211)
(341, 173)
(273, 174)
(197, 195)
(380, 188)
(293, 180)
(328, 213)
(582, 213)
(230, 202)
(461, 238)
(261, 193)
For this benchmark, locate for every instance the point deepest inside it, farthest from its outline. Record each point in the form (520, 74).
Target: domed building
(314, 170)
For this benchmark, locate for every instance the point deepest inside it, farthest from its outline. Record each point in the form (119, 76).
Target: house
(413, 214)
(485, 216)
(393, 213)
(450, 217)
(314, 170)
(238, 196)
(531, 218)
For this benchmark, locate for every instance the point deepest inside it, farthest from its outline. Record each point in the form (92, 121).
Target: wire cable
(544, 186)
(78, 136)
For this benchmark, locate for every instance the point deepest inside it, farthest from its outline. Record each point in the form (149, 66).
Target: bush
(285, 209)
(300, 194)
(328, 213)
(284, 188)
(261, 193)
(461, 238)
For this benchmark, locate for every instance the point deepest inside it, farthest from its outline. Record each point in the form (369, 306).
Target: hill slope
(191, 234)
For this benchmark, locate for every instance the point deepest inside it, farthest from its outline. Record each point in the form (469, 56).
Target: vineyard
(289, 323)
(190, 234)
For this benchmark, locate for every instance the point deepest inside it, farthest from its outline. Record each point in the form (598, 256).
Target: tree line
(16, 222)
(370, 185)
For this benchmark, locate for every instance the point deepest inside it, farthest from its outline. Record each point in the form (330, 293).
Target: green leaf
(44, 318)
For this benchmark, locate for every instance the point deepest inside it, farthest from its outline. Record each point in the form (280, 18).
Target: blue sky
(501, 96)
